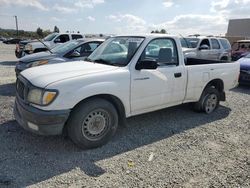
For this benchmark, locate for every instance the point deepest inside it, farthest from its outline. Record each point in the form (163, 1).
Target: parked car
(2, 39)
(240, 49)
(245, 70)
(112, 84)
(12, 41)
(69, 51)
(20, 47)
(48, 42)
(206, 48)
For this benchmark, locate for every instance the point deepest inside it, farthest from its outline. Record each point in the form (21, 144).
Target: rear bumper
(39, 121)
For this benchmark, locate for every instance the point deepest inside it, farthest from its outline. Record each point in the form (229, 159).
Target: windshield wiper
(88, 59)
(102, 61)
(45, 46)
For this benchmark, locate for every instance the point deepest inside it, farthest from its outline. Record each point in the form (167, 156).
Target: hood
(44, 75)
(40, 44)
(37, 56)
(189, 52)
(244, 63)
(24, 42)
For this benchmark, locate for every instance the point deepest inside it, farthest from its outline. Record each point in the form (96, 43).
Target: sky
(124, 16)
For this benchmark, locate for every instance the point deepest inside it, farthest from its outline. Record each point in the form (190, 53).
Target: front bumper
(39, 121)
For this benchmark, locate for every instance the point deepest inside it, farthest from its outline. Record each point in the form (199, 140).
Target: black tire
(224, 58)
(209, 101)
(92, 123)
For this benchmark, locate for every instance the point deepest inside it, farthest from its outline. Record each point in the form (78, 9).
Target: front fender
(72, 92)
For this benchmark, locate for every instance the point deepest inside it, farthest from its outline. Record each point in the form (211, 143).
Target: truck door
(161, 86)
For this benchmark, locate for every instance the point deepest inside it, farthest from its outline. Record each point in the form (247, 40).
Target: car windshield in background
(65, 47)
(116, 51)
(50, 37)
(189, 42)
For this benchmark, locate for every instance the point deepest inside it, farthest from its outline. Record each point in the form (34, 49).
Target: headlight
(28, 47)
(37, 63)
(41, 97)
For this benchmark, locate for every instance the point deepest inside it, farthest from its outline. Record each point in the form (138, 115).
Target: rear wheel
(209, 101)
(92, 123)
(224, 58)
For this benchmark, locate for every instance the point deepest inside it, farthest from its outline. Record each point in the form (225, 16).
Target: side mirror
(204, 47)
(146, 64)
(75, 54)
(57, 40)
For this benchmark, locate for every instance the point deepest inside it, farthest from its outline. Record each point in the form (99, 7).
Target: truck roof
(148, 35)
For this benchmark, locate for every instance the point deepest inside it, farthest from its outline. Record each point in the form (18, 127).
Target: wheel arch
(113, 100)
(217, 84)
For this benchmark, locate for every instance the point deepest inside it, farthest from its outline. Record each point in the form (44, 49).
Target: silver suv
(203, 47)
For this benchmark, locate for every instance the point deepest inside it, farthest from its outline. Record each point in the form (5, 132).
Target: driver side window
(163, 51)
(205, 42)
(62, 39)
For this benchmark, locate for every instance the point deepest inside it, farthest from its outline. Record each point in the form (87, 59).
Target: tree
(163, 31)
(39, 32)
(56, 29)
(46, 32)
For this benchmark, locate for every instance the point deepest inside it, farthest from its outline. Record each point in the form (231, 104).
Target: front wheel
(92, 123)
(209, 101)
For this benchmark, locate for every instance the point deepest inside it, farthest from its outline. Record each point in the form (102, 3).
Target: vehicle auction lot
(187, 149)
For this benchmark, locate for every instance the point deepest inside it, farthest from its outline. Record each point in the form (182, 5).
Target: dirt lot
(187, 149)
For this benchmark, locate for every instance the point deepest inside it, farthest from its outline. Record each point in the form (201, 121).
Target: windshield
(65, 47)
(50, 37)
(116, 51)
(189, 42)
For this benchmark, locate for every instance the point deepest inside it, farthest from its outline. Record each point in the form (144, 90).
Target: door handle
(144, 78)
(177, 75)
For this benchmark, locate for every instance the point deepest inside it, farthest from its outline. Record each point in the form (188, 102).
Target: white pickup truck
(52, 40)
(125, 76)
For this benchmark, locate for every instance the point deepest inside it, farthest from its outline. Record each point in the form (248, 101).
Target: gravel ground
(175, 147)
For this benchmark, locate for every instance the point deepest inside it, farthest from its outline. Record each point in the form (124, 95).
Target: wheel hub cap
(211, 103)
(95, 124)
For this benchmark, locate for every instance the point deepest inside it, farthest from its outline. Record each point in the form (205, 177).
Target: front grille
(20, 88)
(21, 46)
